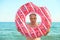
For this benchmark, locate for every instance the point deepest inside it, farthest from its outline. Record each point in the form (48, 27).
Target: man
(32, 24)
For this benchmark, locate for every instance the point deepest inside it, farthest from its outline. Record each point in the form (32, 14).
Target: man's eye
(32, 18)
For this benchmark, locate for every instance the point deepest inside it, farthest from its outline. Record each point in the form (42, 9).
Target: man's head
(32, 18)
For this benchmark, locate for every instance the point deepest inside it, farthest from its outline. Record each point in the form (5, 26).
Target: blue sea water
(8, 31)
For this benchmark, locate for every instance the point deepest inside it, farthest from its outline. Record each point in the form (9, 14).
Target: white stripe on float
(20, 27)
(24, 25)
(26, 8)
(32, 7)
(40, 31)
(47, 11)
(34, 32)
(44, 26)
(45, 16)
(22, 12)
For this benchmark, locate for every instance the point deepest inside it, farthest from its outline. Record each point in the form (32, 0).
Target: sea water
(8, 31)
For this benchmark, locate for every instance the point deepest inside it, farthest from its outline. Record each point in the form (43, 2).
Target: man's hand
(47, 32)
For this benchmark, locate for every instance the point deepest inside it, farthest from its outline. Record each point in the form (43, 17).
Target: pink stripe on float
(40, 31)
(22, 12)
(26, 8)
(34, 32)
(24, 25)
(48, 12)
(44, 26)
(44, 16)
(32, 6)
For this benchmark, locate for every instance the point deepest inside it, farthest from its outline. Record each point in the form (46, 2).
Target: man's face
(33, 18)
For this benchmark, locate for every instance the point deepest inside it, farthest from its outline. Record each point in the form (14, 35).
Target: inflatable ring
(22, 27)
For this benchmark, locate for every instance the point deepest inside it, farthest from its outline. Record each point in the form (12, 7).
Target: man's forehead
(32, 16)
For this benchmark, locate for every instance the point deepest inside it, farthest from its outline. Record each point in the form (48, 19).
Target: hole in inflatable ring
(33, 19)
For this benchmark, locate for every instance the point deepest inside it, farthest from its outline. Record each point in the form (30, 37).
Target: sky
(8, 8)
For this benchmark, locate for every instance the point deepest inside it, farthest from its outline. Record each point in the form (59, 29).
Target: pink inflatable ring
(27, 31)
